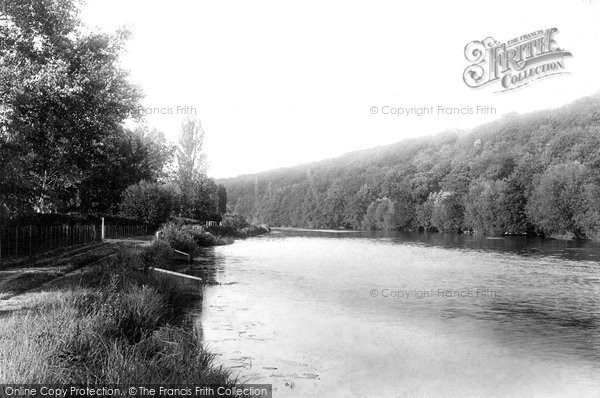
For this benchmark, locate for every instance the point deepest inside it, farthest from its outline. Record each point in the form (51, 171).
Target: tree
(136, 155)
(425, 212)
(487, 207)
(198, 194)
(149, 202)
(370, 219)
(190, 158)
(447, 212)
(334, 206)
(380, 215)
(204, 204)
(561, 201)
(358, 205)
(63, 95)
(222, 195)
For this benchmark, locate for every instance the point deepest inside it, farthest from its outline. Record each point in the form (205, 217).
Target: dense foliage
(63, 99)
(537, 173)
(187, 193)
(64, 103)
(152, 203)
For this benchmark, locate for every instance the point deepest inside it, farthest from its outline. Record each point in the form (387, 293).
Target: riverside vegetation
(190, 238)
(73, 138)
(117, 324)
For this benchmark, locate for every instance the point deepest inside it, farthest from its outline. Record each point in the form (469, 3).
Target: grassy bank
(191, 238)
(115, 324)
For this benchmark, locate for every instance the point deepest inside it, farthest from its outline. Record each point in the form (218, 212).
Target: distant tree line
(64, 101)
(537, 173)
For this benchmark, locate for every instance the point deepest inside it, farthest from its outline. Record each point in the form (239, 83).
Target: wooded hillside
(537, 173)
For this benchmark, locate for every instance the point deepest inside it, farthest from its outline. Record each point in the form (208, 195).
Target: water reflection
(520, 245)
(297, 309)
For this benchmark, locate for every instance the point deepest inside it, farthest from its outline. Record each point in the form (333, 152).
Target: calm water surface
(322, 313)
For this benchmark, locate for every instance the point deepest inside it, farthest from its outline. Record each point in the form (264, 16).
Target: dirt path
(23, 280)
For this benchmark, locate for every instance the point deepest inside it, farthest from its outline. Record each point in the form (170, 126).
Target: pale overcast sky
(278, 83)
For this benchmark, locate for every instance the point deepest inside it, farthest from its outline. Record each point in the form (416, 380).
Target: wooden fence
(27, 241)
(125, 231)
(35, 239)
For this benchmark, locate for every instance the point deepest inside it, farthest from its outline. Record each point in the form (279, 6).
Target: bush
(178, 237)
(189, 238)
(235, 221)
(234, 225)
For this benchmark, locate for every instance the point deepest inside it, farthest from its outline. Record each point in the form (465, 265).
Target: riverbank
(114, 323)
(190, 238)
(102, 315)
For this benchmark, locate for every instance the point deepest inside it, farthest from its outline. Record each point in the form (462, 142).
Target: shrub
(178, 237)
(234, 225)
(234, 220)
(189, 238)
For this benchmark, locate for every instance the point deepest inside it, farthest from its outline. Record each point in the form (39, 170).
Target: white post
(102, 229)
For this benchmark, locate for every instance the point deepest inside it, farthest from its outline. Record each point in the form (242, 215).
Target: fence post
(102, 233)
(30, 231)
(17, 242)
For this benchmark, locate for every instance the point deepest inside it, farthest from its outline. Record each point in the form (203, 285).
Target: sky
(279, 83)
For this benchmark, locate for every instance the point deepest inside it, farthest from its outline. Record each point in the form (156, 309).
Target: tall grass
(189, 238)
(117, 324)
(158, 254)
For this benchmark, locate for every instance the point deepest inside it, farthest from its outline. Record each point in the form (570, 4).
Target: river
(326, 313)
